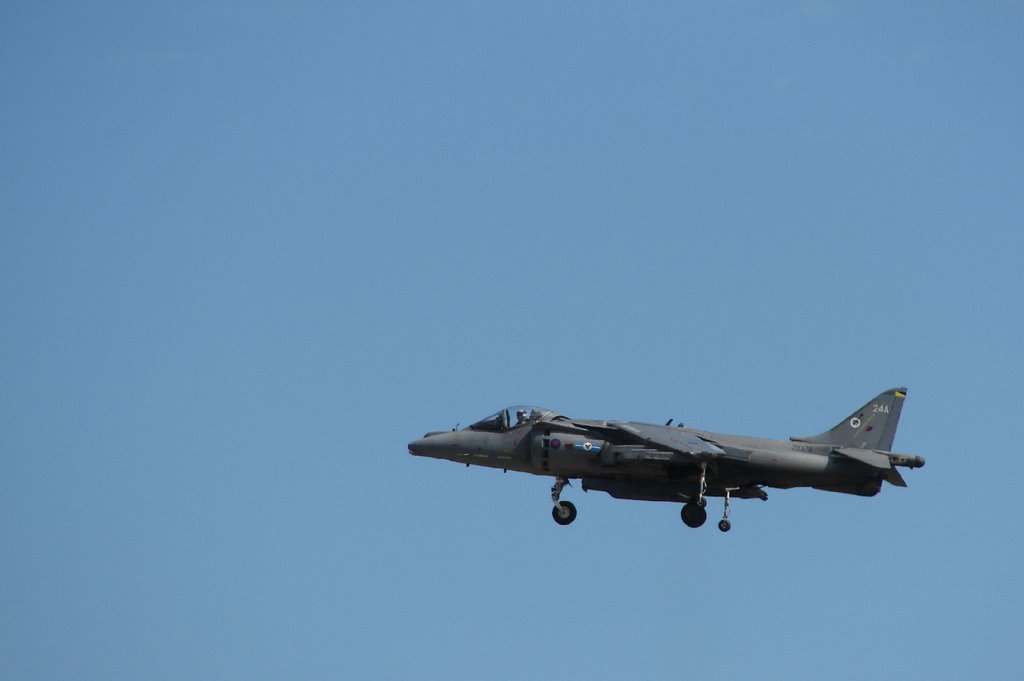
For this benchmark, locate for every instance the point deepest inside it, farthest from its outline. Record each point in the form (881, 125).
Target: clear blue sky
(248, 251)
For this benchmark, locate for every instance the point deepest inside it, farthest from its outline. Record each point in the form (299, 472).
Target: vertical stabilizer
(873, 426)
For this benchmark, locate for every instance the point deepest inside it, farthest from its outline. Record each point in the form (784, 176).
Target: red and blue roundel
(556, 443)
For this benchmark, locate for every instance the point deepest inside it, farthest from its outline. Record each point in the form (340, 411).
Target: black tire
(564, 513)
(693, 515)
(724, 525)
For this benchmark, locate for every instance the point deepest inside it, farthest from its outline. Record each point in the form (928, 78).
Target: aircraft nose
(419, 447)
(437, 443)
(428, 445)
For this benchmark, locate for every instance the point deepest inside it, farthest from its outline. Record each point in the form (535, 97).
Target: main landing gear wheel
(564, 512)
(693, 515)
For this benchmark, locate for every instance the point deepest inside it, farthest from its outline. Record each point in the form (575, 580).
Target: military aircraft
(651, 462)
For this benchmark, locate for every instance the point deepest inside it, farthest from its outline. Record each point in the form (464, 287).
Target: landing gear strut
(693, 513)
(724, 525)
(564, 512)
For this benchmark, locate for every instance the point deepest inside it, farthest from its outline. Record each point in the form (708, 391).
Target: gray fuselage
(546, 448)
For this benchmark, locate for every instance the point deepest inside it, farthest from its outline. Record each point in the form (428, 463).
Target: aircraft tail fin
(873, 426)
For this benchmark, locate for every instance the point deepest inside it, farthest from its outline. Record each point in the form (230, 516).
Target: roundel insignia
(556, 443)
(855, 422)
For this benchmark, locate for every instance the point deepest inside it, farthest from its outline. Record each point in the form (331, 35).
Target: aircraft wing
(659, 438)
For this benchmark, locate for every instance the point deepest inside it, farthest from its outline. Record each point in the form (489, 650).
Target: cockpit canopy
(512, 417)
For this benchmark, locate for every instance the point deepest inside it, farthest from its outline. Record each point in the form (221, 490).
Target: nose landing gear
(564, 512)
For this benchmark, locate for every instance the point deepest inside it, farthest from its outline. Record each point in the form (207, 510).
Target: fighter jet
(644, 461)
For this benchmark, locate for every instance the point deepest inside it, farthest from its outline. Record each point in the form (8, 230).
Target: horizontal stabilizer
(870, 457)
(894, 478)
(875, 460)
